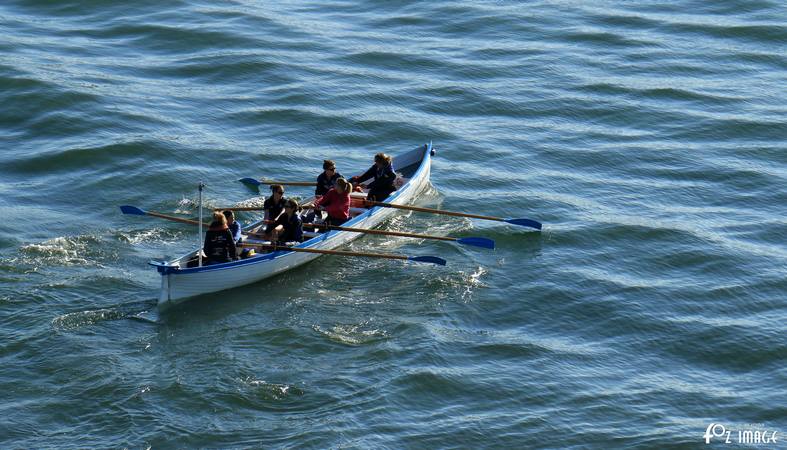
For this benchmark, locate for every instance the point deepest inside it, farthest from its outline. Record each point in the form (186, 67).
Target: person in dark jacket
(327, 179)
(219, 245)
(273, 206)
(288, 226)
(233, 225)
(383, 173)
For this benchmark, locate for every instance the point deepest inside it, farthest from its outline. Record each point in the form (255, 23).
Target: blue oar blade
(428, 259)
(525, 223)
(127, 209)
(477, 241)
(251, 182)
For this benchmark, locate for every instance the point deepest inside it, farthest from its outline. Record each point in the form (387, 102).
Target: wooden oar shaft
(173, 218)
(306, 205)
(433, 211)
(290, 183)
(249, 208)
(326, 252)
(387, 233)
(240, 208)
(369, 231)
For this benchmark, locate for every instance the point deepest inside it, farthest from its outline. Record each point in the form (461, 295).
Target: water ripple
(648, 138)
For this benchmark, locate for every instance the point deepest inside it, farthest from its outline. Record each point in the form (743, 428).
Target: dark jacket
(324, 184)
(236, 230)
(219, 246)
(383, 183)
(272, 208)
(293, 228)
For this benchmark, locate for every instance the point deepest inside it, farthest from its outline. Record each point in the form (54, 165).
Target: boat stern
(164, 269)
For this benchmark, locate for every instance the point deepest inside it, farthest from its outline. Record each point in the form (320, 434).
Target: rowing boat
(180, 282)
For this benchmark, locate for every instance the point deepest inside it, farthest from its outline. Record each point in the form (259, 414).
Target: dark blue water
(650, 138)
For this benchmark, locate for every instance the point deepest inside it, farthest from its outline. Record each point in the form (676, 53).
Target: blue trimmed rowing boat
(179, 282)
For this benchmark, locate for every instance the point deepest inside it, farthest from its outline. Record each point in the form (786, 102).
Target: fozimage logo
(744, 435)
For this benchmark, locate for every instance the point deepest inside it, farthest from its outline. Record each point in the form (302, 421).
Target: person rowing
(273, 206)
(336, 202)
(233, 225)
(327, 179)
(288, 226)
(383, 173)
(219, 245)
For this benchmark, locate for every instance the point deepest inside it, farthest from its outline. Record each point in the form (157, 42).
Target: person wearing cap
(383, 173)
(289, 226)
(327, 179)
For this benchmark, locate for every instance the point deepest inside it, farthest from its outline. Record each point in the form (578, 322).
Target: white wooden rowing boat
(179, 282)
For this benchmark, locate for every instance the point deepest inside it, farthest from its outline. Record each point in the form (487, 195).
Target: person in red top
(336, 202)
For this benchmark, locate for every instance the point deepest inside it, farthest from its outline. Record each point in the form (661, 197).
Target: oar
(256, 183)
(424, 259)
(523, 222)
(306, 205)
(240, 208)
(476, 241)
(133, 210)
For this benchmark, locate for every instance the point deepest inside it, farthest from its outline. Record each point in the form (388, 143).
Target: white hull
(179, 284)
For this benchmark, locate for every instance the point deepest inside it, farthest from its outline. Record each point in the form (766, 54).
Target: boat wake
(275, 391)
(351, 334)
(186, 206)
(456, 286)
(190, 206)
(473, 281)
(155, 235)
(150, 315)
(144, 311)
(252, 202)
(82, 250)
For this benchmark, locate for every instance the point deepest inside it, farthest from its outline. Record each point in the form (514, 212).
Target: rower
(219, 246)
(383, 173)
(288, 227)
(327, 179)
(233, 225)
(273, 206)
(336, 202)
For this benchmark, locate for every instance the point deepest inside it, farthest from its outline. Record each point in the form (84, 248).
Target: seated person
(273, 206)
(233, 225)
(336, 202)
(219, 245)
(288, 227)
(327, 179)
(383, 173)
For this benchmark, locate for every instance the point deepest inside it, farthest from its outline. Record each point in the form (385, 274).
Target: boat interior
(256, 243)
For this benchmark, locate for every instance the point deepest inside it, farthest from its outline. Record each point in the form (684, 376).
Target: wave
(84, 250)
(352, 334)
(131, 310)
(108, 157)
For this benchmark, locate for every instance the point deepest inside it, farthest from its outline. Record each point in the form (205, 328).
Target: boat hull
(178, 284)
